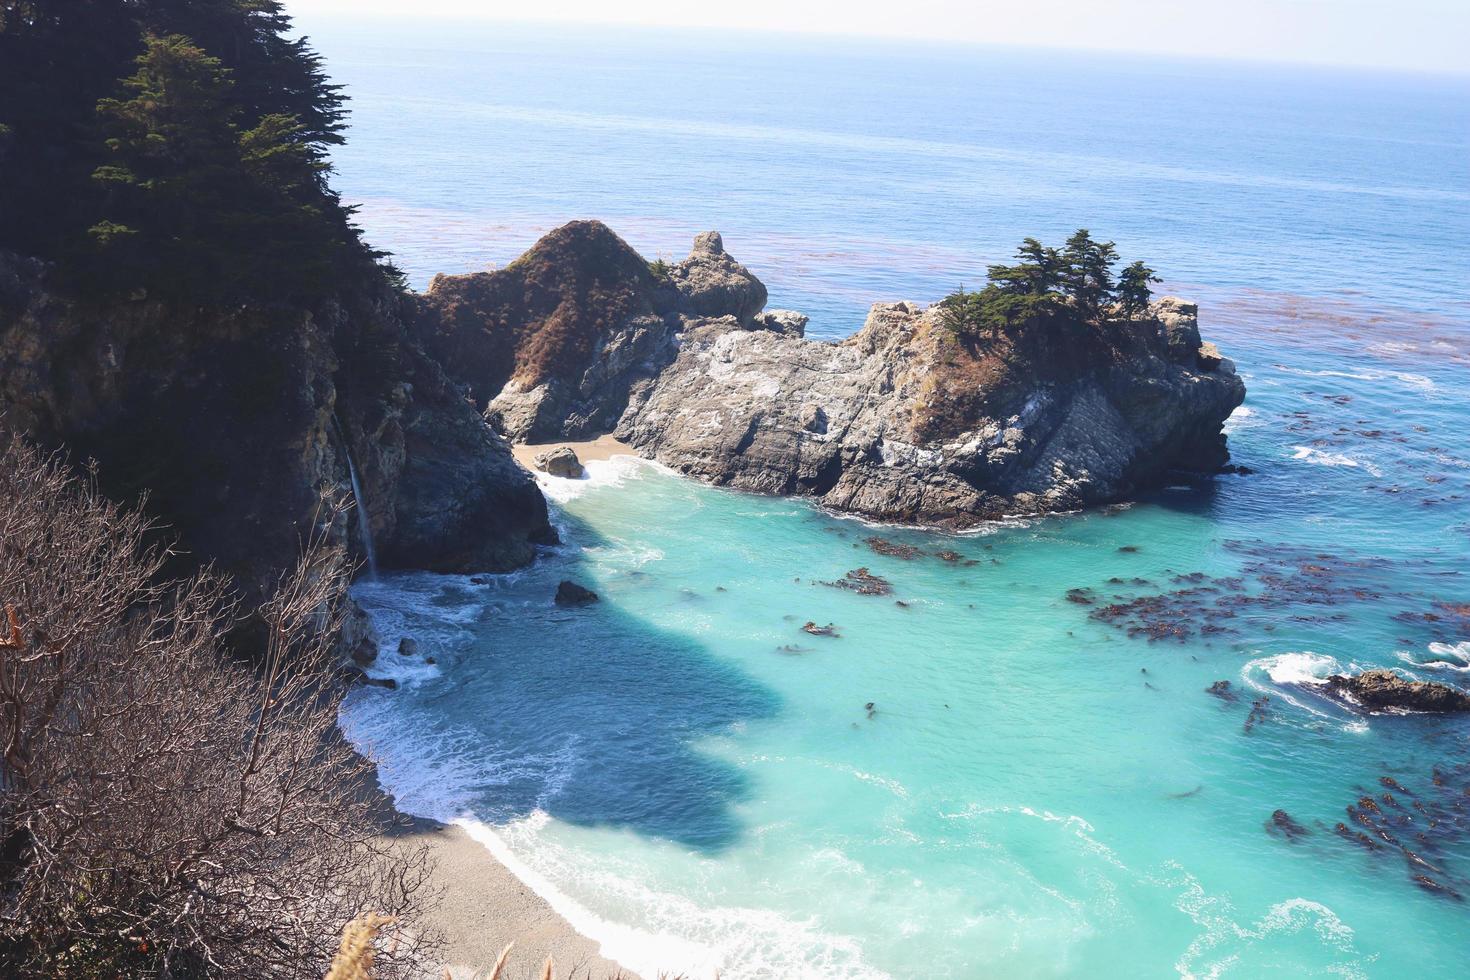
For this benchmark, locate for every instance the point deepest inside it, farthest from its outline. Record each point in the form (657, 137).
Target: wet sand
(603, 447)
(484, 907)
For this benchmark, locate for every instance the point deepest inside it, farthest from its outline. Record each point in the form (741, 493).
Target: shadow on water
(591, 714)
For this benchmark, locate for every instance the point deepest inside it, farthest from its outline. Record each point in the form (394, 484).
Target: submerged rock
(561, 461)
(569, 593)
(1382, 690)
(1221, 690)
(1282, 825)
(863, 582)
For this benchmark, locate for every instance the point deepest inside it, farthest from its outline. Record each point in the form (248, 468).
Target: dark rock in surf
(1383, 690)
(358, 642)
(569, 593)
(1221, 690)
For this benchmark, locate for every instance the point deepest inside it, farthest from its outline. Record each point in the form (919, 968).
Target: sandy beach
(484, 907)
(601, 448)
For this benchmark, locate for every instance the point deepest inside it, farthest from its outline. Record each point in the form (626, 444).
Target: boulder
(358, 641)
(569, 593)
(561, 461)
(408, 647)
(1383, 690)
(1208, 357)
(1178, 324)
(789, 322)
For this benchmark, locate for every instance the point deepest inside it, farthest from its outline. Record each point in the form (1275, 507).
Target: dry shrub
(168, 811)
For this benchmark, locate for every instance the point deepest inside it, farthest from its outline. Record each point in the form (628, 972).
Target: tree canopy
(175, 145)
(1076, 280)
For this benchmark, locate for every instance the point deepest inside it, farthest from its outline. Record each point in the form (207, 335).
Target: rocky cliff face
(550, 345)
(905, 421)
(226, 419)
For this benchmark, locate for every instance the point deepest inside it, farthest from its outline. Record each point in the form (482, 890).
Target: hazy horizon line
(302, 23)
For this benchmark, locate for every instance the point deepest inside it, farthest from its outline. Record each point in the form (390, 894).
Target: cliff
(905, 421)
(236, 421)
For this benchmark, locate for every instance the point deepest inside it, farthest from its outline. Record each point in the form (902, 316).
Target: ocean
(1044, 784)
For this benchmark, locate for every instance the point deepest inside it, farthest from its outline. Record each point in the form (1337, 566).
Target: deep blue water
(1044, 787)
(847, 172)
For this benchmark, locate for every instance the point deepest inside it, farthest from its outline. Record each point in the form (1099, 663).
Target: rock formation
(561, 461)
(569, 593)
(905, 421)
(1383, 690)
(550, 346)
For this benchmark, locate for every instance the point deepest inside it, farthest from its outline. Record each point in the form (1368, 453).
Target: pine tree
(174, 158)
(90, 186)
(196, 207)
(1088, 276)
(1041, 284)
(1133, 291)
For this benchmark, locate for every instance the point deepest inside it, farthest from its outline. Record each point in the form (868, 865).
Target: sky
(1425, 35)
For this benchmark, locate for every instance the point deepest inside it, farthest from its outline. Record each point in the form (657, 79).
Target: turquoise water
(1043, 786)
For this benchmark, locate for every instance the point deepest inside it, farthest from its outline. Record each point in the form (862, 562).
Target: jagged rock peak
(708, 243)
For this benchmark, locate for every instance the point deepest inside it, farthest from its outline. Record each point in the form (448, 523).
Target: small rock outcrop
(710, 283)
(561, 461)
(1383, 690)
(358, 642)
(550, 346)
(905, 421)
(569, 593)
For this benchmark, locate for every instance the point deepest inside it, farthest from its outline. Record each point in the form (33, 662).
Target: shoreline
(483, 907)
(601, 449)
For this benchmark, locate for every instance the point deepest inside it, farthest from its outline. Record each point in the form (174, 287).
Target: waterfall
(364, 528)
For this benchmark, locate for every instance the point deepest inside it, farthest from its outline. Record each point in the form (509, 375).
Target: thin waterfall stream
(364, 527)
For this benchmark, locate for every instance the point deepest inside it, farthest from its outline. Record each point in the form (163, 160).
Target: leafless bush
(166, 811)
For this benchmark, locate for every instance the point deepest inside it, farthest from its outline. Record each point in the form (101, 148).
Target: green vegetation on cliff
(1074, 282)
(174, 146)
